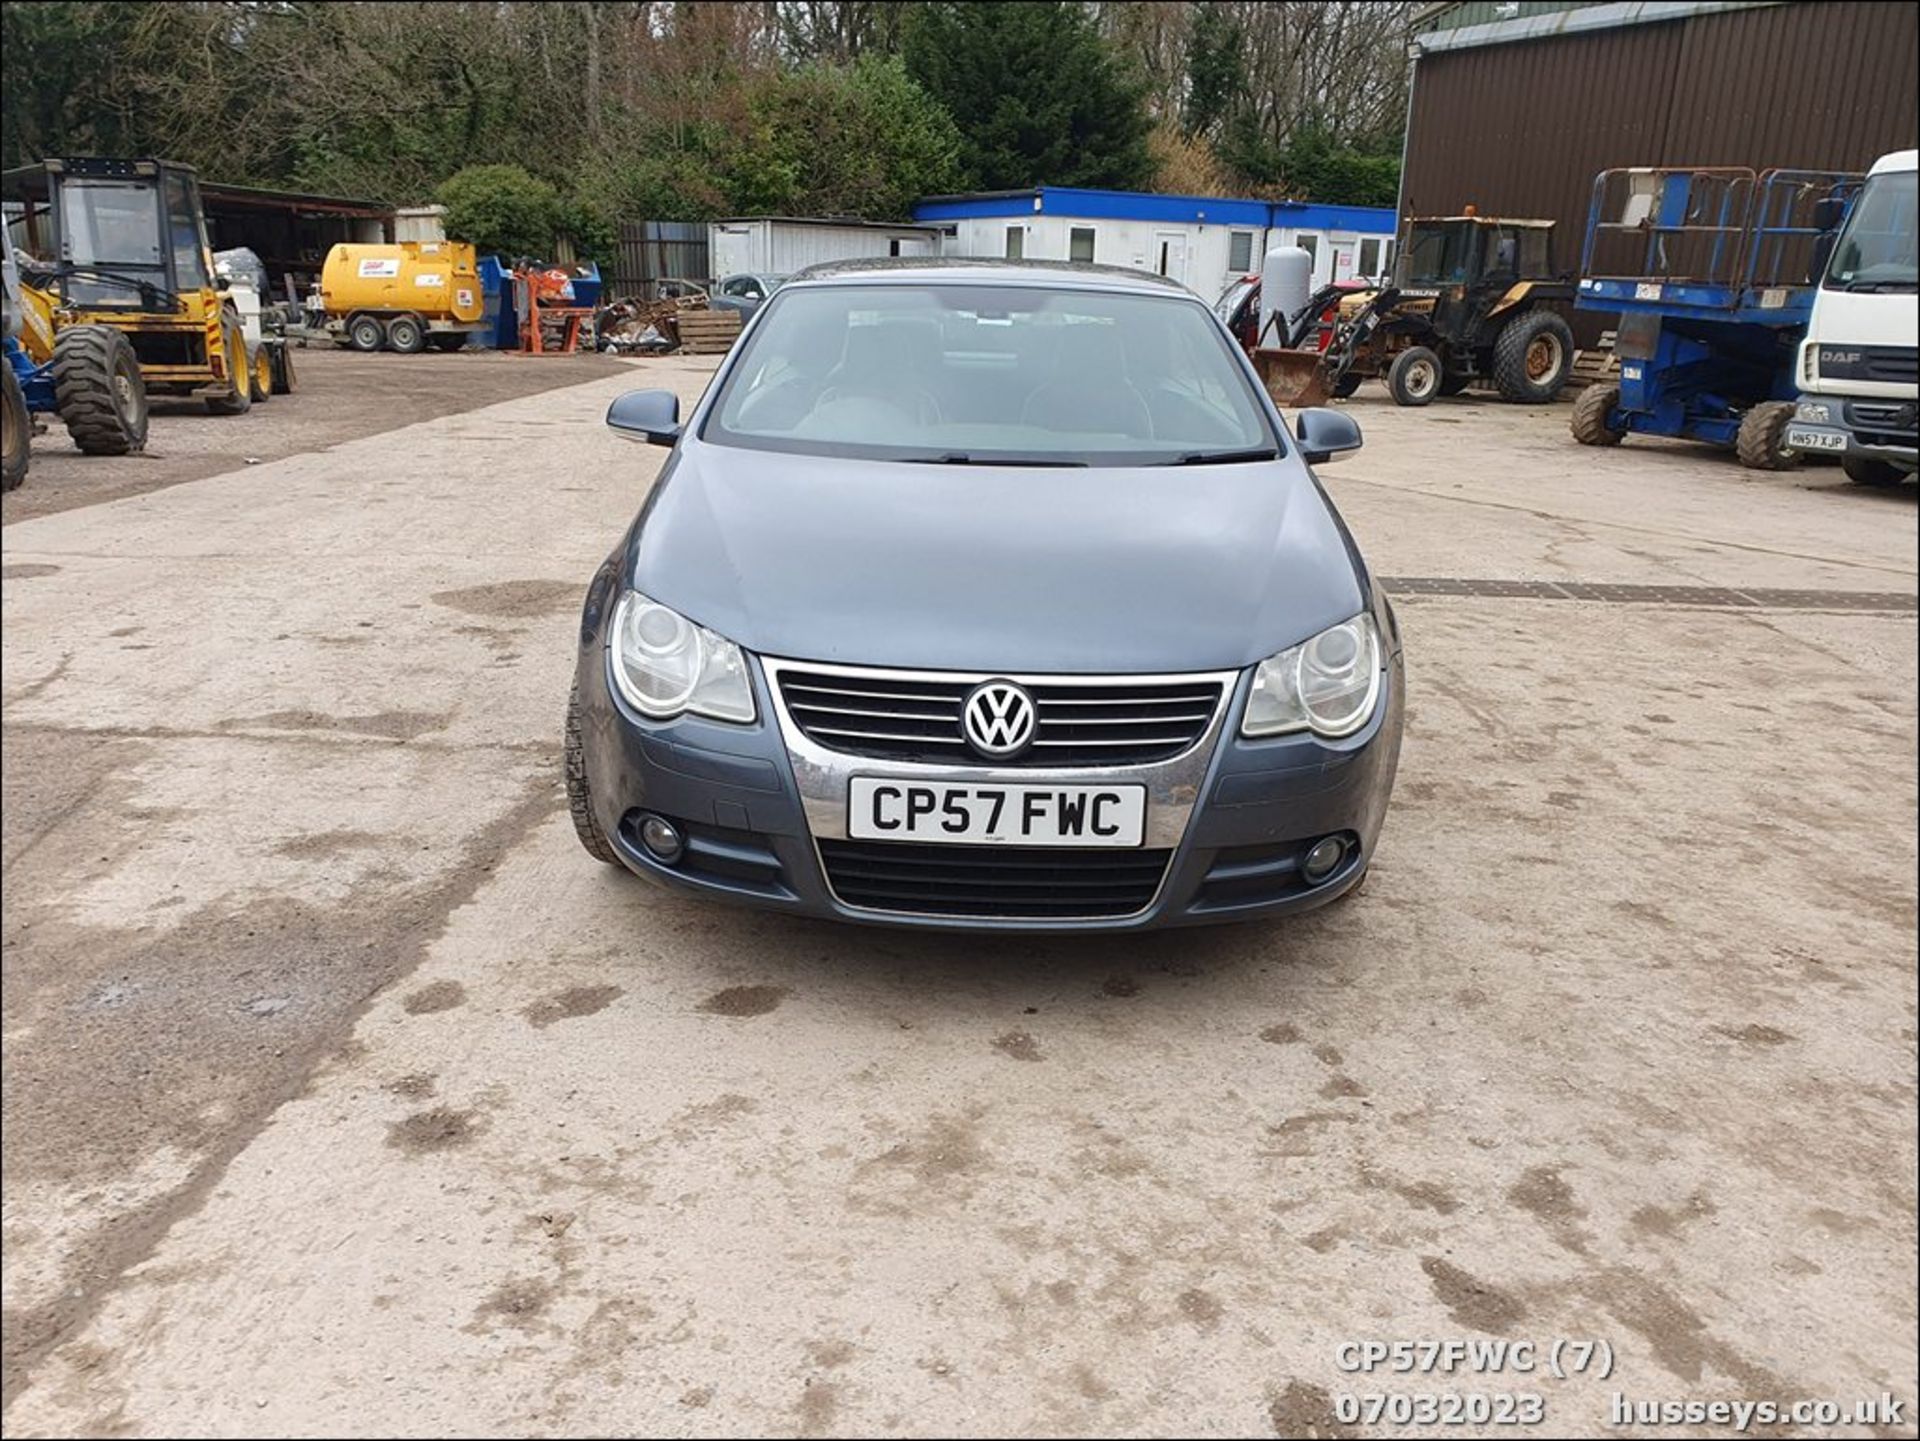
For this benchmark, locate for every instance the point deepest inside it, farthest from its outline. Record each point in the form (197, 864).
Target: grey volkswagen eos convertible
(986, 596)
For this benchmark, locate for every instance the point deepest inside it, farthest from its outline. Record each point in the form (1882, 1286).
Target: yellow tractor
(123, 244)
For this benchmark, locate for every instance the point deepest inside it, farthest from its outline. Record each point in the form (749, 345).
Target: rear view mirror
(1829, 212)
(1325, 434)
(649, 415)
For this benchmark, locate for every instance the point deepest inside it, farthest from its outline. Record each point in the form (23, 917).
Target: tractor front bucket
(1294, 378)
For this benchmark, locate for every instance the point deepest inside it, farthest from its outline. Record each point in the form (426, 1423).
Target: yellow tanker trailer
(402, 297)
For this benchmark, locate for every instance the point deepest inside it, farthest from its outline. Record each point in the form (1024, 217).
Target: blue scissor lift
(1712, 272)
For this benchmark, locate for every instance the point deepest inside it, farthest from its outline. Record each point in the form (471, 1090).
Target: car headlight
(1814, 412)
(665, 665)
(1328, 685)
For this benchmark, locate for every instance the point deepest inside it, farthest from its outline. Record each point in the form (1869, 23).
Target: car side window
(751, 290)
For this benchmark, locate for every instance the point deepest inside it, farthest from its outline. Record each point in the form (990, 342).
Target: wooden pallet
(708, 332)
(1591, 367)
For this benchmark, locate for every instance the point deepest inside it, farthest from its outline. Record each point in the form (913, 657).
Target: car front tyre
(579, 797)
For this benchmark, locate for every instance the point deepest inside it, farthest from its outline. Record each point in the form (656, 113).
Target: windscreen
(1876, 250)
(106, 223)
(1439, 254)
(990, 375)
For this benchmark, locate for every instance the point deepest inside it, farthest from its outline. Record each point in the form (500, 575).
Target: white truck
(1860, 362)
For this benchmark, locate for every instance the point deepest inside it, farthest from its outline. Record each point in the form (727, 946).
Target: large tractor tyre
(406, 335)
(1533, 357)
(260, 370)
(579, 800)
(1593, 416)
(1862, 471)
(365, 333)
(281, 357)
(239, 399)
(17, 437)
(1346, 385)
(98, 391)
(1415, 375)
(1761, 441)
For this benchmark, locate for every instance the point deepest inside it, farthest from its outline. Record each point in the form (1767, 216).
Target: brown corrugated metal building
(1516, 106)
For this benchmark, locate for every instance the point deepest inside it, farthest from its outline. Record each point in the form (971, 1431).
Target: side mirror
(1829, 212)
(1325, 434)
(649, 415)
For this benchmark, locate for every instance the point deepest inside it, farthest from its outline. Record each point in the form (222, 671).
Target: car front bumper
(762, 808)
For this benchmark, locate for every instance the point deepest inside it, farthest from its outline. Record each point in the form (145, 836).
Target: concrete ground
(345, 1095)
(339, 395)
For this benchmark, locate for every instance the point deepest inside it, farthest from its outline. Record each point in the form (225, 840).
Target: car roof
(950, 268)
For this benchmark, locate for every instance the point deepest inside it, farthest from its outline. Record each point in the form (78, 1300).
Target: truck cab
(1858, 377)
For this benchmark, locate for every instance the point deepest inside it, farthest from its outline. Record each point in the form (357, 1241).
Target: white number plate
(879, 809)
(1815, 439)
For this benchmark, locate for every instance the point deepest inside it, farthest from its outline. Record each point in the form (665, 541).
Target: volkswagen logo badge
(998, 719)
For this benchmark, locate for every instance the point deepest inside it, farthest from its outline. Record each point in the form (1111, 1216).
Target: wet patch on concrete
(705, 1116)
(1669, 1221)
(949, 1146)
(1282, 1034)
(1469, 1300)
(1121, 986)
(440, 1129)
(1676, 1336)
(1304, 1409)
(417, 1085)
(1342, 1087)
(744, 1001)
(514, 599)
(518, 1302)
(571, 1003)
(830, 1354)
(401, 725)
(1754, 1034)
(1328, 1055)
(434, 996)
(1200, 1307)
(1423, 1195)
(328, 845)
(27, 571)
(817, 1407)
(1019, 1045)
(1544, 1193)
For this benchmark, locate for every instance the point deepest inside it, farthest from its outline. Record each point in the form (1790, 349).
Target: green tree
(858, 140)
(502, 210)
(1215, 70)
(1036, 94)
(1315, 165)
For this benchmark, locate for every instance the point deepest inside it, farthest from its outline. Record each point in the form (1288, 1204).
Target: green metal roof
(1461, 13)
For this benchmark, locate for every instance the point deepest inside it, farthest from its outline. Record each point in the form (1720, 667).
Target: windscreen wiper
(1225, 457)
(148, 290)
(961, 457)
(1873, 287)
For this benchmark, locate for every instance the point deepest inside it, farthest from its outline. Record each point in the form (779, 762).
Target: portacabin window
(1080, 244)
(1240, 250)
(1369, 258)
(1016, 242)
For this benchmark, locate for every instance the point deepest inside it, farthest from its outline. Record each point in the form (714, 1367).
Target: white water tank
(1286, 281)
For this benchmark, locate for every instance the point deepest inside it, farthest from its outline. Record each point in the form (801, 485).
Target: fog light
(662, 839)
(1323, 859)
